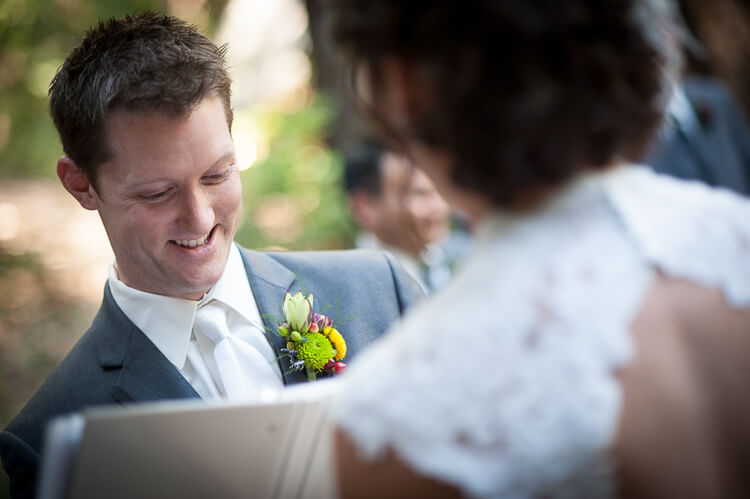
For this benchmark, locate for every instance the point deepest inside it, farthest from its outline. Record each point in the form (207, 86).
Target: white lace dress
(502, 384)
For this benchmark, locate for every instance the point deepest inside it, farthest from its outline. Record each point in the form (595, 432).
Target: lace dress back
(503, 383)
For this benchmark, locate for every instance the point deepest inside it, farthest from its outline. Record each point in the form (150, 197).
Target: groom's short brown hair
(146, 62)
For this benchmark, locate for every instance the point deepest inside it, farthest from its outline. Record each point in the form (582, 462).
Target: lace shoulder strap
(687, 229)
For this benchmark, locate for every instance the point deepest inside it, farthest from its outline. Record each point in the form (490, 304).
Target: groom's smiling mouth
(194, 243)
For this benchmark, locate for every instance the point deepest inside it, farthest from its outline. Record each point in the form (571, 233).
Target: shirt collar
(165, 320)
(680, 109)
(233, 288)
(168, 321)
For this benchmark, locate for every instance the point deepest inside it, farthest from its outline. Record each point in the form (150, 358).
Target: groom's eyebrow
(226, 158)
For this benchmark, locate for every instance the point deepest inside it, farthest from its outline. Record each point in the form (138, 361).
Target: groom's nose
(196, 211)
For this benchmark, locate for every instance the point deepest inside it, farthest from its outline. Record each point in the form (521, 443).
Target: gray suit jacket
(115, 363)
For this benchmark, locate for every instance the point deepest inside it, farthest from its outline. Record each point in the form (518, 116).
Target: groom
(142, 108)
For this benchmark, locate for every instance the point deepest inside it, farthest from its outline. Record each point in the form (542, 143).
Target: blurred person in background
(143, 110)
(596, 343)
(398, 209)
(705, 136)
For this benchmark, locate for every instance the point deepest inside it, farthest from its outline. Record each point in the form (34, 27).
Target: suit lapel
(697, 141)
(269, 281)
(148, 375)
(697, 133)
(145, 374)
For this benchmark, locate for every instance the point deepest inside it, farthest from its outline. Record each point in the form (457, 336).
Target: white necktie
(244, 373)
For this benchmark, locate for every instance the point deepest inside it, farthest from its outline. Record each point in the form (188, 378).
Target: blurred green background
(53, 254)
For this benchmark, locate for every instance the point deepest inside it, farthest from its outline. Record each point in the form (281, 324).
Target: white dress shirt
(168, 322)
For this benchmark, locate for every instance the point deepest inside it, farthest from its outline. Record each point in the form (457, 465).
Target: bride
(598, 341)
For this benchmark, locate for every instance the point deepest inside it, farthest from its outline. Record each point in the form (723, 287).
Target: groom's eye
(157, 196)
(217, 178)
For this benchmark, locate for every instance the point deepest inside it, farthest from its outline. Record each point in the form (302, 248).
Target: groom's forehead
(154, 133)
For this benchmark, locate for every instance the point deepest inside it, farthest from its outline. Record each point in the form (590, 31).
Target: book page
(190, 449)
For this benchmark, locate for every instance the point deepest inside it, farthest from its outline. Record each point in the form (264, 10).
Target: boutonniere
(313, 343)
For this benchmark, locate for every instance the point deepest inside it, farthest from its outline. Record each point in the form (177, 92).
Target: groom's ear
(76, 182)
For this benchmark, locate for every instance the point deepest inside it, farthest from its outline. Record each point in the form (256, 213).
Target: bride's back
(684, 429)
(503, 385)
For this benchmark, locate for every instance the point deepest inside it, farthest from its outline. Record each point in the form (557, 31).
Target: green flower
(298, 311)
(316, 352)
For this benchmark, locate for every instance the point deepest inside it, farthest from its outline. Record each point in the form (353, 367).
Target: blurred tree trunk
(215, 11)
(333, 76)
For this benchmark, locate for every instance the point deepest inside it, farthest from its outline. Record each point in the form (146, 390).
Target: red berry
(339, 367)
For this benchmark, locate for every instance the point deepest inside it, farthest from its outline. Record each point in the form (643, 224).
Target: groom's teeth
(191, 244)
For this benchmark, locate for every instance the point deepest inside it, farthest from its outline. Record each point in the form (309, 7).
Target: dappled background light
(291, 177)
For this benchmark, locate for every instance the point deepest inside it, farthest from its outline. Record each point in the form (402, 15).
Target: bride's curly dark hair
(524, 94)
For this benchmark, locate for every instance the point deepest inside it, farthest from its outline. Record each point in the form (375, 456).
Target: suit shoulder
(355, 259)
(345, 272)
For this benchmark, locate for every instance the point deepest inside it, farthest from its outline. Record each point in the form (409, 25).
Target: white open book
(194, 449)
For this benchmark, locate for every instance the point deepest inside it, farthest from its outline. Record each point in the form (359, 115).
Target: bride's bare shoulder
(683, 430)
(388, 476)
